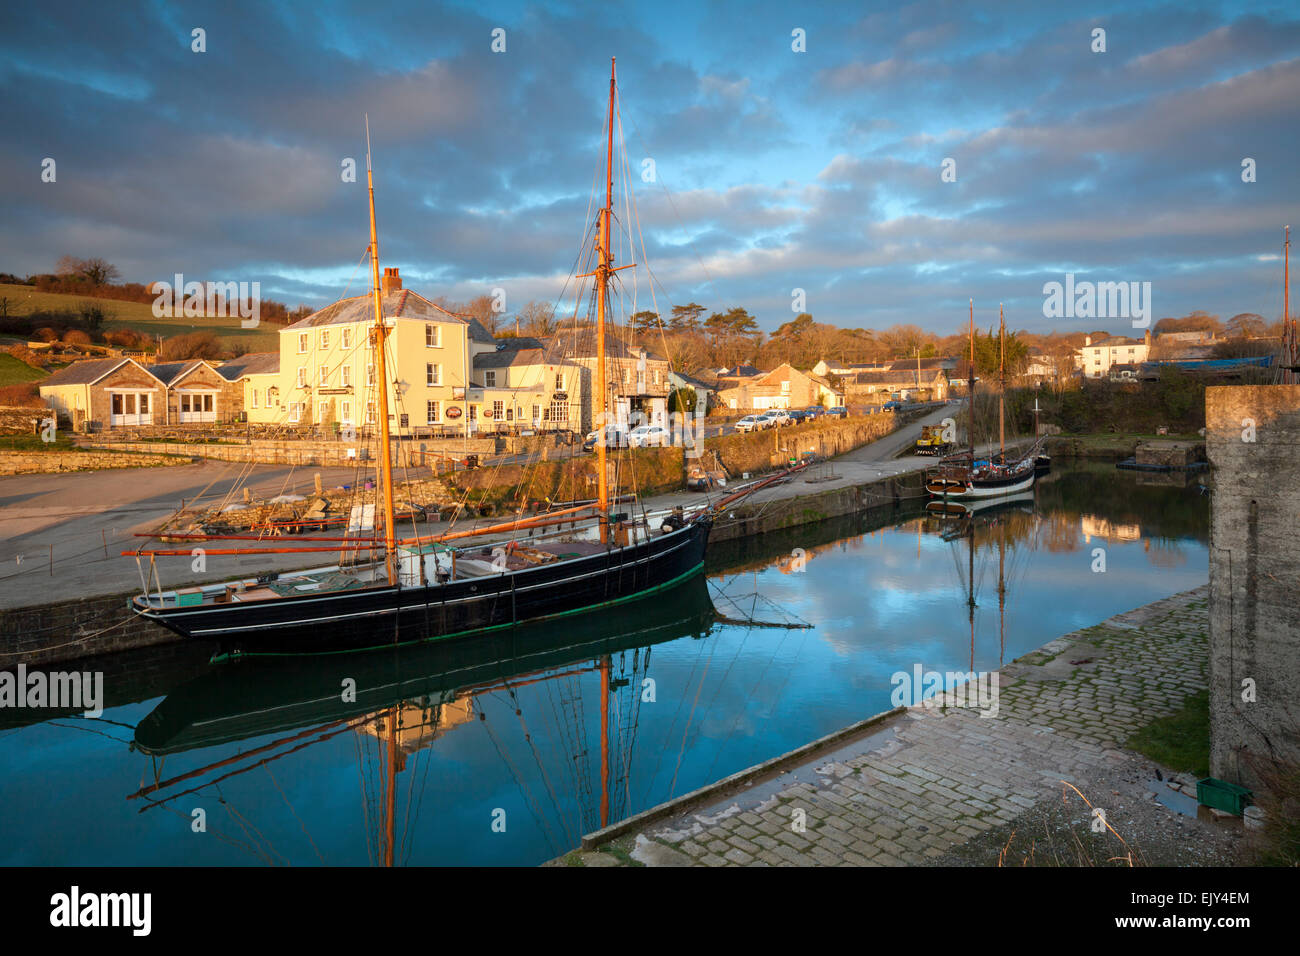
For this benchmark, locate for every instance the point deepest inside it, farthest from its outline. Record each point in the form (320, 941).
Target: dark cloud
(775, 170)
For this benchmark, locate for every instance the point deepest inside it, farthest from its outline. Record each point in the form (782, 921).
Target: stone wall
(1169, 454)
(46, 462)
(413, 454)
(1252, 433)
(70, 630)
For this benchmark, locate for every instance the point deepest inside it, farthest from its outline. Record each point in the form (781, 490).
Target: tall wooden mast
(603, 261)
(1288, 326)
(379, 334)
(971, 386)
(1002, 376)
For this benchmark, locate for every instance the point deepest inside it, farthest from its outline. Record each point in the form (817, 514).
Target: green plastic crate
(1222, 795)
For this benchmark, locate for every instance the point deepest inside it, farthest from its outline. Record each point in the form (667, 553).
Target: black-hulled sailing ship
(423, 588)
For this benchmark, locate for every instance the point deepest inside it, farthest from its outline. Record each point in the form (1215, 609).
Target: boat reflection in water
(399, 701)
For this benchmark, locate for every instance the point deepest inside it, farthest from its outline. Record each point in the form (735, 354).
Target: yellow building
(327, 374)
(518, 388)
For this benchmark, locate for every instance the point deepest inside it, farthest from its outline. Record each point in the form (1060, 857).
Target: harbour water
(501, 754)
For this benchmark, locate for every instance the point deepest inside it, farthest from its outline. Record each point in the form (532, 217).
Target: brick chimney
(1146, 338)
(392, 281)
(1087, 340)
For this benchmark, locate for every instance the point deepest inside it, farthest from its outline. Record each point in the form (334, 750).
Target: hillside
(24, 299)
(14, 372)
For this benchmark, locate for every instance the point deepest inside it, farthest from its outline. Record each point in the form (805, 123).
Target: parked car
(815, 411)
(751, 423)
(646, 436)
(797, 415)
(891, 406)
(777, 417)
(616, 436)
(839, 411)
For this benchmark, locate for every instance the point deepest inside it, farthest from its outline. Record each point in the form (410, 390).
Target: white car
(750, 423)
(645, 436)
(770, 420)
(616, 436)
(781, 417)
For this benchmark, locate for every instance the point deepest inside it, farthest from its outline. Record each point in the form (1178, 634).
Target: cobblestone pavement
(942, 775)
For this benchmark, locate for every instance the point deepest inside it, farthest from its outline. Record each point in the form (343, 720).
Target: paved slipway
(931, 784)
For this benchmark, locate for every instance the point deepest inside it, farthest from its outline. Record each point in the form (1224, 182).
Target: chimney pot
(392, 281)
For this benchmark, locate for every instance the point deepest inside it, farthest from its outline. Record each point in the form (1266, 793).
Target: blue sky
(776, 170)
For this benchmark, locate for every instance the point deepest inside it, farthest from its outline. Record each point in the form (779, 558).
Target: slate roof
(85, 372)
(902, 376)
(569, 346)
(508, 357)
(169, 372)
(1113, 341)
(254, 363)
(399, 303)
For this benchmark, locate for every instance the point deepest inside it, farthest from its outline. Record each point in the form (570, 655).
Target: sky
(775, 169)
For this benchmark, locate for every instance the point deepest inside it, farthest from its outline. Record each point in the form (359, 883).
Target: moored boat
(421, 588)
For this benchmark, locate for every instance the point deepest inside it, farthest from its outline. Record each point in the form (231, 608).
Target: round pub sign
(453, 412)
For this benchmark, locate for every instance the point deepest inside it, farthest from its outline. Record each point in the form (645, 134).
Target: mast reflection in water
(506, 748)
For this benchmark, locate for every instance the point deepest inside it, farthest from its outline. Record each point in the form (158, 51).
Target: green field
(139, 316)
(14, 372)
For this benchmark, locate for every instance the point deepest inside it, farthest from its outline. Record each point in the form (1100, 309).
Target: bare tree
(100, 271)
(537, 318)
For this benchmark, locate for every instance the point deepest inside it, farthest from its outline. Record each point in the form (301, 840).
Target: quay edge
(70, 630)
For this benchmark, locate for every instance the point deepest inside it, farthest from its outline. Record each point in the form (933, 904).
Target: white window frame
(490, 378)
(346, 335)
(346, 371)
(433, 411)
(432, 331)
(304, 339)
(324, 375)
(324, 338)
(433, 374)
(302, 376)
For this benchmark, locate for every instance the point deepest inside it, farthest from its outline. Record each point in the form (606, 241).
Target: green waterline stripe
(218, 658)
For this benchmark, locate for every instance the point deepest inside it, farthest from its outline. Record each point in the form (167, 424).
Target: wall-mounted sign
(560, 397)
(453, 412)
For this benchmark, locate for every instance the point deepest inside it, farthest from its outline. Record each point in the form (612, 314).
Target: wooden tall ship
(426, 588)
(964, 476)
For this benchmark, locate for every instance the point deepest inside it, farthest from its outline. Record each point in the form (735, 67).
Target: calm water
(507, 732)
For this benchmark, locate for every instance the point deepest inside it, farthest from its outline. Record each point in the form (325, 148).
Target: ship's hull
(967, 488)
(387, 615)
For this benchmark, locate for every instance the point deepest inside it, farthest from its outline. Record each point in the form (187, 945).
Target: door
(130, 408)
(197, 407)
